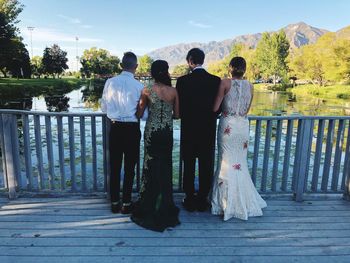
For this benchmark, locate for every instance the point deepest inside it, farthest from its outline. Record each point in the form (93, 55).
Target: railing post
(305, 144)
(347, 167)
(9, 154)
(2, 146)
(15, 150)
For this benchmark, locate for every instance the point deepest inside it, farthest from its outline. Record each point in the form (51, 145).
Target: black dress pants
(206, 170)
(124, 141)
(202, 146)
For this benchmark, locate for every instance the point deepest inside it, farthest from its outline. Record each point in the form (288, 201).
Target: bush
(281, 87)
(343, 96)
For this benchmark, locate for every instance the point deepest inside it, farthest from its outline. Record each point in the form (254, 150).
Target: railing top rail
(98, 114)
(298, 117)
(44, 113)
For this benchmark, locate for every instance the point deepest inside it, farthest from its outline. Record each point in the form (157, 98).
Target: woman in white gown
(234, 194)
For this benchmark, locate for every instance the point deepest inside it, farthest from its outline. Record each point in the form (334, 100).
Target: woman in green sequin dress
(155, 209)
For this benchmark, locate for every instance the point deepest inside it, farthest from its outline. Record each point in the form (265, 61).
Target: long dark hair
(160, 73)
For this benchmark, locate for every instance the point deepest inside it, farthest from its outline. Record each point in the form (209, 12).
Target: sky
(142, 26)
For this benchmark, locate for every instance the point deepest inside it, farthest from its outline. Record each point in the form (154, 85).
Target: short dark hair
(238, 67)
(195, 55)
(129, 60)
(160, 72)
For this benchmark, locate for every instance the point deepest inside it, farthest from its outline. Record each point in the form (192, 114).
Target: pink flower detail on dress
(224, 114)
(227, 130)
(236, 166)
(245, 145)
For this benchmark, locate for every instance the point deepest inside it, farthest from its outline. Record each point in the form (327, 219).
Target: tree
(341, 63)
(99, 61)
(221, 67)
(336, 56)
(327, 60)
(9, 11)
(19, 65)
(306, 63)
(263, 55)
(144, 67)
(37, 66)
(280, 48)
(181, 70)
(236, 51)
(54, 60)
(10, 49)
(271, 55)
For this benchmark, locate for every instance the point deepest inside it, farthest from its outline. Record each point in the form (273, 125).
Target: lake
(85, 98)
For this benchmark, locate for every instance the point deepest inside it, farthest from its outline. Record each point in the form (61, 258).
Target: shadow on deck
(82, 229)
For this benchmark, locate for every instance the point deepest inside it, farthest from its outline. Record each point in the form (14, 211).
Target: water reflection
(86, 97)
(25, 103)
(57, 103)
(285, 103)
(53, 96)
(92, 94)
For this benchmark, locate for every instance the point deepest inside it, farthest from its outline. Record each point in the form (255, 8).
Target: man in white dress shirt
(119, 100)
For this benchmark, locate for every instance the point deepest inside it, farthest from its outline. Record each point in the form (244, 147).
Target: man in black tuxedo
(197, 92)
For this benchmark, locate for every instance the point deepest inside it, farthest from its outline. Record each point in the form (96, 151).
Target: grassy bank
(6, 82)
(308, 90)
(35, 87)
(261, 87)
(270, 87)
(327, 92)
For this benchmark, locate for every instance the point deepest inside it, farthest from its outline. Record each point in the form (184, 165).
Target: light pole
(31, 28)
(77, 57)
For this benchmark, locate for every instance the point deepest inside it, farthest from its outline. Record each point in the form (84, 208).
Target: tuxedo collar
(198, 70)
(198, 67)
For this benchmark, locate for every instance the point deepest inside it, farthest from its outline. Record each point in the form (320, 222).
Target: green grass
(15, 88)
(37, 82)
(261, 86)
(328, 92)
(337, 91)
(271, 87)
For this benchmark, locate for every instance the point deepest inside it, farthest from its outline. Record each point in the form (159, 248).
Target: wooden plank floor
(82, 229)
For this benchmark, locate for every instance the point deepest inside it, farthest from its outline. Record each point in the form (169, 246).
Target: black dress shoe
(115, 207)
(127, 208)
(189, 204)
(203, 205)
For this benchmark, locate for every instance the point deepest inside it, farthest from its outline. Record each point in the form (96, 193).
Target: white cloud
(72, 20)
(139, 51)
(90, 40)
(86, 26)
(52, 35)
(75, 21)
(200, 25)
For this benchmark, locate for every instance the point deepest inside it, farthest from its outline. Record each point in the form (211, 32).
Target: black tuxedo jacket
(197, 92)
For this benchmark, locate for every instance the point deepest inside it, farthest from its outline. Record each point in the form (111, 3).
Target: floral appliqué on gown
(234, 194)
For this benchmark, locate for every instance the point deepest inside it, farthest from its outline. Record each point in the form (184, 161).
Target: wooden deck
(82, 229)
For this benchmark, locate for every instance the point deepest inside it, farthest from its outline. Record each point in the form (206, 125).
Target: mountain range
(298, 34)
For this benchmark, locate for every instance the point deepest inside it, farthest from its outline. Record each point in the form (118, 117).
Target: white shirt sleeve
(104, 97)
